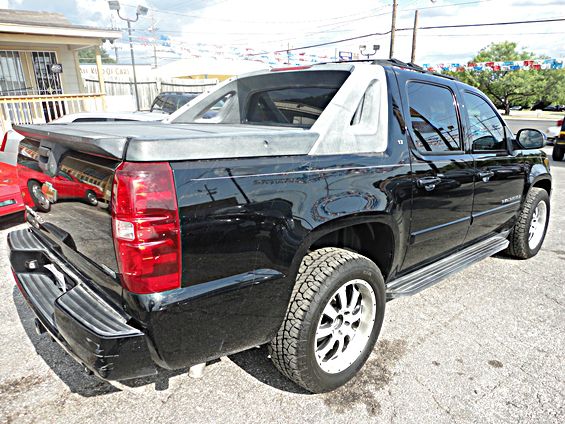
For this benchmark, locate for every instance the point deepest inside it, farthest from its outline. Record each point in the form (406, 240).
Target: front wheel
(333, 320)
(526, 238)
(558, 153)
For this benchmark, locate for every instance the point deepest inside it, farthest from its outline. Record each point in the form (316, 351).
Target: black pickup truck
(284, 207)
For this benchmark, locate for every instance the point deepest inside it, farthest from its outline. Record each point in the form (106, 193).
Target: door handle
(485, 175)
(428, 183)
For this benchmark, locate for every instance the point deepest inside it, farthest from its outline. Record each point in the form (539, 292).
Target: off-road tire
(558, 153)
(519, 246)
(41, 203)
(321, 273)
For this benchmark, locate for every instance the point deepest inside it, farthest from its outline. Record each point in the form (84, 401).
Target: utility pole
(414, 35)
(153, 31)
(393, 28)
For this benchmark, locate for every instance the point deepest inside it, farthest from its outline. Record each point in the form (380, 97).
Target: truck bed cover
(149, 141)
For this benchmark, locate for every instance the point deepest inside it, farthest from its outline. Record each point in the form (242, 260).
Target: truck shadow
(257, 364)
(71, 372)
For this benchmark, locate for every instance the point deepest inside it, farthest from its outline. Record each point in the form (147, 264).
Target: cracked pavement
(485, 345)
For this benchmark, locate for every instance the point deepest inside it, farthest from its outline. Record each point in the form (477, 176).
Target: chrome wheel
(345, 326)
(537, 225)
(91, 198)
(38, 194)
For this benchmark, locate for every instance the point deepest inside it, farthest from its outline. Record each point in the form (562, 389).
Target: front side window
(433, 117)
(485, 127)
(289, 106)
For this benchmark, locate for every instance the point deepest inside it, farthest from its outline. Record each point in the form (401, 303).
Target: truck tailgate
(76, 220)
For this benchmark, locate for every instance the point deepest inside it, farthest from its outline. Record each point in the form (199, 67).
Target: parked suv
(315, 196)
(168, 102)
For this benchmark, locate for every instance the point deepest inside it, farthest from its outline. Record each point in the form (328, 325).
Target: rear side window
(485, 127)
(169, 104)
(298, 107)
(433, 116)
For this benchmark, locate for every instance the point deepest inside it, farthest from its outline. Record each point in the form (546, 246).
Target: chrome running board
(429, 275)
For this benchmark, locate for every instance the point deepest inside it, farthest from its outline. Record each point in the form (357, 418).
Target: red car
(12, 207)
(40, 190)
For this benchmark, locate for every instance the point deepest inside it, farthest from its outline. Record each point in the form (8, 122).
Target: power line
(231, 20)
(486, 24)
(410, 29)
(484, 35)
(332, 27)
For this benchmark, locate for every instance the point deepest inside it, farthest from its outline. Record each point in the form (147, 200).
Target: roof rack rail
(393, 62)
(411, 66)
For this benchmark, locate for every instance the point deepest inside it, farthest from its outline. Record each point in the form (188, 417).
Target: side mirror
(529, 138)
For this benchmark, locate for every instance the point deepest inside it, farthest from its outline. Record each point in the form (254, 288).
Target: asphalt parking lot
(486, 345)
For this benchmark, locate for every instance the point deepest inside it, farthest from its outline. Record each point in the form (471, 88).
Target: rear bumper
(91, 330)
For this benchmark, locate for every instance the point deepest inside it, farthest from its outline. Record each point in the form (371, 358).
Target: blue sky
(269, 25)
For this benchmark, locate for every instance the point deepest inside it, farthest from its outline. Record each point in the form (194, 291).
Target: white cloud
(271, 25)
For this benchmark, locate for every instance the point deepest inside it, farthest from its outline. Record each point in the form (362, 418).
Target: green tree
(89, 55)
(507, 88)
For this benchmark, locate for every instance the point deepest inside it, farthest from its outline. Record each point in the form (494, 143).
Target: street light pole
(141, 11)
(363, 50)
(133, 65)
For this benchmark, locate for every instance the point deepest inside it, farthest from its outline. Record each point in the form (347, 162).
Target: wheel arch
(375, 236)
(542, 182)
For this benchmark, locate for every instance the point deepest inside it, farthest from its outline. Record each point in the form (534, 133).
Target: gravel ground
(486, 345)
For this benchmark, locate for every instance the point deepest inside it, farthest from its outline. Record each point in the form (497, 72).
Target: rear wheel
(528, 234)
(91, 198)
(39, 199)
(558, 153)
(333, 320)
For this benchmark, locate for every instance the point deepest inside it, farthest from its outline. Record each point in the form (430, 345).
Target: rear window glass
(289, 106)
(27, 154)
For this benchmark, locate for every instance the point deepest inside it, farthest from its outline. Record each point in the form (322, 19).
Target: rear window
(27, 154)
(289, 106)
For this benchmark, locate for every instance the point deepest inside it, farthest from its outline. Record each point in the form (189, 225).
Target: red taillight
(145, 225)
(560, 122)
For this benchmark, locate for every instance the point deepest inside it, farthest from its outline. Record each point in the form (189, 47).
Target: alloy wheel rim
(40, 196)
(345, 326)
(537, 225)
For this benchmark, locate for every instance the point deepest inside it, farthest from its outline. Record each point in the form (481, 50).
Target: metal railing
(39, 109)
